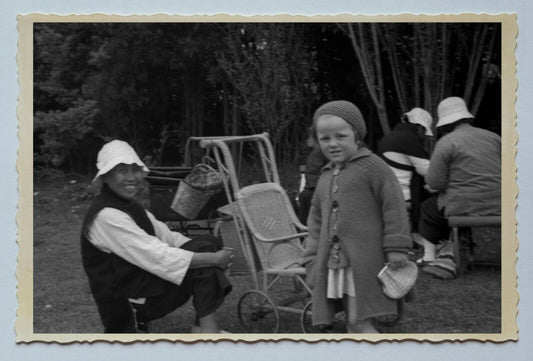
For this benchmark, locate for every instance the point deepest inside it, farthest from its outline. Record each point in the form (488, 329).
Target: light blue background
(262, 351)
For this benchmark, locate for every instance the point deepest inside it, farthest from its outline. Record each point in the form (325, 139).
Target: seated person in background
(465, 170)
(313, 167)
(138, 269)
(404, 151)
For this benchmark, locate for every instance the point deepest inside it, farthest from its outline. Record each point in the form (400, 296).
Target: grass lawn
(63, 303)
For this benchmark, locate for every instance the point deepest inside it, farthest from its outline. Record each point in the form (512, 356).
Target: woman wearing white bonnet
(465, 170)
(138, 269)
(403, 149)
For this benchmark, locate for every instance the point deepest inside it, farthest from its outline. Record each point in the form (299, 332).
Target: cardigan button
(335, 239)
(336, 171)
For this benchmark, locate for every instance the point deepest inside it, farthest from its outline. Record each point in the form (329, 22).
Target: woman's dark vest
(109, 275)
(404, 139)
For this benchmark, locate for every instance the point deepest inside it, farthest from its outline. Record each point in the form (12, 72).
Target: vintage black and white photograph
(328, 178)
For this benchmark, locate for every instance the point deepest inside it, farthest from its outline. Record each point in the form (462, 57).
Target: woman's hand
(224, 257)
(221, 259)
(397, 259)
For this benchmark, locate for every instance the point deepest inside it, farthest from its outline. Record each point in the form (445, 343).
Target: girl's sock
(429, 250)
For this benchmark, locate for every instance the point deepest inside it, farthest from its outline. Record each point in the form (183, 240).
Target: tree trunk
(484, 78)
(474, 61)
(397, 69)
(372, 72)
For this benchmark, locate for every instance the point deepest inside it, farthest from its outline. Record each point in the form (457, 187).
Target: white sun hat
(422, 117)
(113, 154)
(451, 110)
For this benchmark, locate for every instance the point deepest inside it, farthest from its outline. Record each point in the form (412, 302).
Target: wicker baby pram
(270, 237)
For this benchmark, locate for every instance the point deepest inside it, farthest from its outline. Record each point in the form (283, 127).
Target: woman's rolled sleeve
(174, 239)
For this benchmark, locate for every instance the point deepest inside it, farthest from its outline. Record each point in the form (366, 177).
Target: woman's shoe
(442, 268)
(421, 262)
(142, 327)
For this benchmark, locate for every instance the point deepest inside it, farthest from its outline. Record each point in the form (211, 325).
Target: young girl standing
(357, 222)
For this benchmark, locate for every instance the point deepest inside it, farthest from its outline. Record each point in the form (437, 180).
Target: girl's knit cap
(451, 110)
(422, 117)
(113, 154)
(345, 110)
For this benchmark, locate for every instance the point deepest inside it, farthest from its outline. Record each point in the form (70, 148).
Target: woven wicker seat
(275, 228)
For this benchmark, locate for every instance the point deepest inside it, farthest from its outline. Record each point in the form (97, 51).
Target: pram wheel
(338, 325)
(257, 313)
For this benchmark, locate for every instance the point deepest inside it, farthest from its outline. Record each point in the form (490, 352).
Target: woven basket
(195, 191)
(188, 202)
(205, 178)
(397, 283)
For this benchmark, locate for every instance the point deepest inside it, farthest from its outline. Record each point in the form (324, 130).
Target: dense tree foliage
(157, 84)
(272, 72)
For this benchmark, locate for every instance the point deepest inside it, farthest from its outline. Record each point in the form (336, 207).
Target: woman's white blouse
(114, 231)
